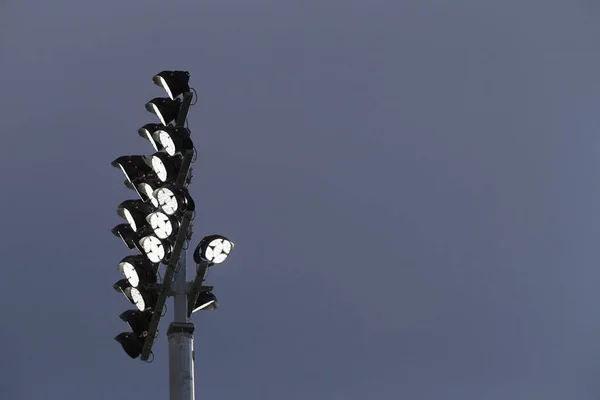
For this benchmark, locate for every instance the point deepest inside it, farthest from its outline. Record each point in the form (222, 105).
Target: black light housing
(206, 301)
(134, 212)
(175, 83)
(138, 270)
(174, 201)
(131, 343)
(174, 140)
(213, 249)
(166, 168)
(165, 109)
(127, 235)
(134, 167)
(139, 321)
(148, 132)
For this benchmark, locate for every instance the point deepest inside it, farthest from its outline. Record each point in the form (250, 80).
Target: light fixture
(163, 226)
(134, 167)
(155, 249)
(134, 212)
(175, 83)
(127, 235)
(142, 298)
(206, 301)
(165, 109)
(146, 187)
(147, 132)
(138, 270)
(166, 168)
(139, 321)
(174, 140)
(213, 249)
(131, 343)
(173, 201)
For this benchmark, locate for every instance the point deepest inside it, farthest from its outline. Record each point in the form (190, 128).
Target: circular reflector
(158, 113)
(130, 219)
(167, 142)
(147, 190)
(153, 248)
(161, 224)
(217, 250)
(159, 168)
(137, 298)
(130, 273)
(167, 201)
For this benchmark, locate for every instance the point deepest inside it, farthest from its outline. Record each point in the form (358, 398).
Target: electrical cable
(195, 100)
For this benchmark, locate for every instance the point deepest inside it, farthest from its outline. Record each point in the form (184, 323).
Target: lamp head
(213, 249)
(175, 83)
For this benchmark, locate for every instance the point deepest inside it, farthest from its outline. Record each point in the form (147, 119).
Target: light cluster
(154, 224)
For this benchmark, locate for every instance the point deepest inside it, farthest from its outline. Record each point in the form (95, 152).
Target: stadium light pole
(165, 210)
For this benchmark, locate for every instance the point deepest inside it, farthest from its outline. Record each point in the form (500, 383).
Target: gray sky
(412, 187)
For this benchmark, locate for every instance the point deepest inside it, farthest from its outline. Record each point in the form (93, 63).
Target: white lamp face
(149, 193)
(218, 250)
(138, 299)
(205, 305)
(167, 143)
(125, 173)
(167, 201)
(130, 273)
(130, 219)
(158, 114)
(159, 168)
(161, 225)
(151, 139)
(164, 85)
(153, 248)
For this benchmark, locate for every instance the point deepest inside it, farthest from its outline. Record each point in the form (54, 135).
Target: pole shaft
(180, 298)
(181, 361)
(181, 332)
(181, 340)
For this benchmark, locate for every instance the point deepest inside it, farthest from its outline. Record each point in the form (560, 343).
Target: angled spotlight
(155, 249)
(165, 109)
(139, 321)
(134, 167)
(206, 301)
(134, 212)
(127, 235)
(166, 168)
(173, 201)
(138, 270)
(163, 226)
(145, 189)
(175, 83)
(174, 140)
(148, 132)
(142, 298)
(213, 249)
(145, 186)
(131, 343)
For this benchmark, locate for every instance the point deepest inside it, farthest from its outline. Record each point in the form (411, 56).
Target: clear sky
(412, 187)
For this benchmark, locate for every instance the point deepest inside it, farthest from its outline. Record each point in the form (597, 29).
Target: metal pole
(181, 331)
(181, 341)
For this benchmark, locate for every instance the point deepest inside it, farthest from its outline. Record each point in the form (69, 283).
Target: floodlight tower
(159, 227)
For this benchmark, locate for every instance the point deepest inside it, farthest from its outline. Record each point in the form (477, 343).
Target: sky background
(412, 187)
